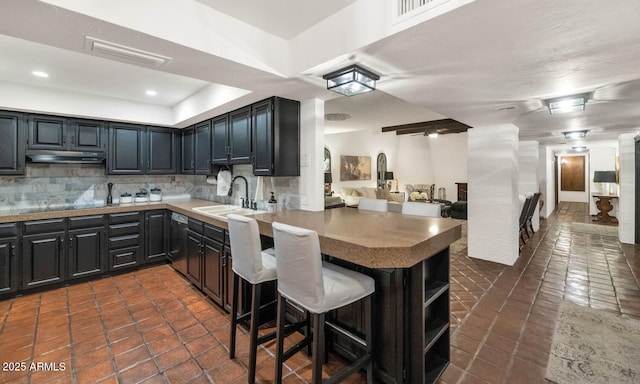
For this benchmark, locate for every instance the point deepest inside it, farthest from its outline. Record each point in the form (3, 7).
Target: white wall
(546, 180)
(449, 156)
(311, 155)
(627, 205)
(528, 154)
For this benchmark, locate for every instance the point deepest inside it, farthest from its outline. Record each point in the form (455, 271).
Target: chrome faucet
(245, 200)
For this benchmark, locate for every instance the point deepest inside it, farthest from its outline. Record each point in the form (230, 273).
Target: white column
(528, 174)
(627, 203)
(312, 155)
(546, 177)
(493, 193)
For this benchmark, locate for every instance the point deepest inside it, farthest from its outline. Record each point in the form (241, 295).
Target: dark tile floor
(151, 326)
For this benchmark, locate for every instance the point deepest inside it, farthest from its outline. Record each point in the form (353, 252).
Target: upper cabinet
(220, 140)
(240, 136)
(196, 149)
(275, 126)
(126, 149)
(59, 133)
(162, 150)
(12, 140)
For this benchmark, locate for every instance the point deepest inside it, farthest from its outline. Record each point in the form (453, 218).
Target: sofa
(419, 192)
(351, 196)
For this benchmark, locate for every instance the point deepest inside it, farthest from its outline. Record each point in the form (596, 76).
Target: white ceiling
(465, 64)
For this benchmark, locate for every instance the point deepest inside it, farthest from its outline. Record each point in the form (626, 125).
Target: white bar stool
(420, 209)
(255, 266)
(379, 205)
(318, 287)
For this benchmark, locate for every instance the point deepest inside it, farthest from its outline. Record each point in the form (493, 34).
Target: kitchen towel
(224, 182)
(259, 189)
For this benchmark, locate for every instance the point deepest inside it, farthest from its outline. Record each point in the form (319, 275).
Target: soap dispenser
(272, 205)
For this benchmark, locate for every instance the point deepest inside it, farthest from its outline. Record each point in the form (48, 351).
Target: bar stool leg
(234, 317)
(255, 322)
(280, 335)
(368, 333)
(318, 347)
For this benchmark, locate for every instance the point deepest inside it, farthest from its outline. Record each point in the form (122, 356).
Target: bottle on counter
(272, 204)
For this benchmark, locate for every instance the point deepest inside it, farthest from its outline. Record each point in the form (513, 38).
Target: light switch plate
(305, 160)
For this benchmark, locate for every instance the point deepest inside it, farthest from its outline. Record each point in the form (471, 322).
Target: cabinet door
(162, 151)
(87, 136)
(157, 234)
(12, 142)
(212, 268)
(126, 149)
(194, 258)
(220, 140)
(188, 150)
(262, 127)
(203, 148)
(87, 252)
(47, 132)
(228, 280)
(240, 136)
(43, 259)
(8, 272)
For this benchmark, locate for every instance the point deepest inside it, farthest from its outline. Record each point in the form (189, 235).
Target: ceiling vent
(120, 52)
(336, 116)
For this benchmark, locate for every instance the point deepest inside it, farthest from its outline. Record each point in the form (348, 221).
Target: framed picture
(355, 168)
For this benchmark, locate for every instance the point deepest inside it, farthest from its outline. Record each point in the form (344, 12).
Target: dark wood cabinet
(162, 151)
(275, 129)
(239, 138)
(202, 145)
(87, 252)
(212, 278)
(87, 135)
(156, 234)
(194, 257)
(9, 249)
(43, 253)
(126, 149)
(462, 191)
(12, 143)
(220, 140)
(227, 278)
(126, 240)
(188, 150)
(47, 132)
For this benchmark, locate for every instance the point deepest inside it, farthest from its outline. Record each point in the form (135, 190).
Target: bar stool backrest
(379, 205)
(245, 248)
(420, 209)
(299, 265)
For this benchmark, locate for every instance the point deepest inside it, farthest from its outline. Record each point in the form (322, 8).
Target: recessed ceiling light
(579, 149)
(40, 74)
(151, 92)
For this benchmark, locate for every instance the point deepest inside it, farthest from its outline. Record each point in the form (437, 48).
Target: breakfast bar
(408, 257)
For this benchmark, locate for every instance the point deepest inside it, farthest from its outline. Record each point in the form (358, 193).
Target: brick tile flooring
(151, 326)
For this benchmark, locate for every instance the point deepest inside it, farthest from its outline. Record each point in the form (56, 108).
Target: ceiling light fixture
(567, 104)
(40, 74)
(575, 134)
(352, 80)
(124, 53)
(579, 149)
(151, 92)
(434, 134)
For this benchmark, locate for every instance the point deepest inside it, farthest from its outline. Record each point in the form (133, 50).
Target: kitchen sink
(221, 211)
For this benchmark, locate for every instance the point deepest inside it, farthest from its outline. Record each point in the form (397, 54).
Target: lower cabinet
(194, 257)
(9, 248)
(87, 252)
(126, 240)
(212, 267)
(43, 259)
(157, 234)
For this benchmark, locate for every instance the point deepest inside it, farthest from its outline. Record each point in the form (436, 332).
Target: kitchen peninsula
(408, 256)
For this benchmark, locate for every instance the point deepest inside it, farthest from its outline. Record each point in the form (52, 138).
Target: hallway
(151, 326)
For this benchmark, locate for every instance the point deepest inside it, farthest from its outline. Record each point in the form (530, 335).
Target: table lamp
(327, 182)
(605, 177)
(388, 176)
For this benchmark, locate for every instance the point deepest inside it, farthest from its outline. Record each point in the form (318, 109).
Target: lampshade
(388, 176)
(351, 80)
(567, 104)
(327, 178)
(604, 177)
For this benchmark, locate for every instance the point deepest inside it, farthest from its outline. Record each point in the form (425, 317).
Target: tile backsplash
(63, 185)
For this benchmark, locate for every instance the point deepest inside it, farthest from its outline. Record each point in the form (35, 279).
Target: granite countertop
(367, 238)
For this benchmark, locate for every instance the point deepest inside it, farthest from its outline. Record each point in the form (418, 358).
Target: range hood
(66, 157)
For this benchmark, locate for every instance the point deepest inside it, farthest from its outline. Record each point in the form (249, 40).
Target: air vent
(336, 116)
(507, 108)
(123, 53)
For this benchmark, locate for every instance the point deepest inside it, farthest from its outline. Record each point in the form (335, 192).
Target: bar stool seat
(256, 267)
(318, 287)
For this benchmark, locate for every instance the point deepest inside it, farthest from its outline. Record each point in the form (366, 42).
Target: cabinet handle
(12, 250)
(193, 164)
(73, 139)
(224, 261)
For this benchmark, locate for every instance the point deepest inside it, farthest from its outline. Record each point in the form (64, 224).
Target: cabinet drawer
(125, 217)
(43, 226)
(125, 229)
(214, 233)
(86, 222)
(124, 241)
(196, 225)
(8, 230)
